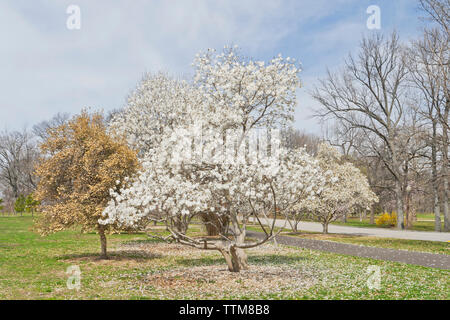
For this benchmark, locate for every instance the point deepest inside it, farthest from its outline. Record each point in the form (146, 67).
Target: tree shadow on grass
(260, 260)
(273, 259)
(142, 242)
(113, 256)
(320, 235)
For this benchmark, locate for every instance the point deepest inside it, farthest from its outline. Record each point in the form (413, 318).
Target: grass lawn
(411, 245)
(425, 222)
(33, 267)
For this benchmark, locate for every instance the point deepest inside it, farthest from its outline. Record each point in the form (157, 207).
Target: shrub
(387, 219)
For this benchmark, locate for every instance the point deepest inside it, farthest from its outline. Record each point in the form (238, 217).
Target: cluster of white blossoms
(159, 105)
(258, 94)
(163, 120)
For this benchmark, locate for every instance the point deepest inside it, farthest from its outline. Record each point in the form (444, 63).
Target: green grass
(390, 243)
(425, 222)
(417, 225)
(33, 267)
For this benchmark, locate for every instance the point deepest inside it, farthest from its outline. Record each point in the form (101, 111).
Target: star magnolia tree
(174, 187)
(344, 188)
(310, 182)
(175, 184)
(228, 91)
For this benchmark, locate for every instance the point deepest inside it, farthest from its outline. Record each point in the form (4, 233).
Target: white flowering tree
(343, 190)
(175, 186)
(192, 167)
(309, 183)
(228, 91)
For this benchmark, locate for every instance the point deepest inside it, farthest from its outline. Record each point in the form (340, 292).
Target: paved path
(373, 232)
(439, 261)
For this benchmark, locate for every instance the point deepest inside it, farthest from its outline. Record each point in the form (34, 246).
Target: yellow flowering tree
(81, 164)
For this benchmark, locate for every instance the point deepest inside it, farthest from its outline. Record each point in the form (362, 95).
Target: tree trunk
(445, 164)
(372, 214)
(445, 206)
(408, 213)
(325, 227)
(232, 263)
(295, 226)
(434, 181)
(180, 225)
(445, 184)
(399, 202)
(240, 254)
(235, 258)
(101, 232)
(242, 258)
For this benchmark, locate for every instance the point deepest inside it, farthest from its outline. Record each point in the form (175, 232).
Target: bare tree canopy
(41, 129)
(437, 11)
(18, 155)
(370, 96)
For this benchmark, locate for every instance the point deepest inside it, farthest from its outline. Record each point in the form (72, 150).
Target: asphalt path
(370, 232)
(432, 260)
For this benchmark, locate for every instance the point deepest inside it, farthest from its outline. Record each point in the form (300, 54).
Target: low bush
(387, 219)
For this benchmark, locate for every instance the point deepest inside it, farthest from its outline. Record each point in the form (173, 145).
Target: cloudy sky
(46, 68)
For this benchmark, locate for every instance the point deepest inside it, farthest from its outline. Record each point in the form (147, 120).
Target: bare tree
(293, 138)
(18, 155)
(41, 129)
(425, 75)
(437, 11)
(436, 45)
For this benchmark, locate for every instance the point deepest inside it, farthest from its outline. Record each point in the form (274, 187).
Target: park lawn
(419, 225)
(390, 243)
(425, 222)
(33, 267)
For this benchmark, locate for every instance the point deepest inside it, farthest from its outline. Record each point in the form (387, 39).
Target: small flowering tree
(308, 182)
(191, 167)
(343, 189)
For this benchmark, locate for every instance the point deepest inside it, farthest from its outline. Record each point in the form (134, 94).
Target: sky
(47, 68)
